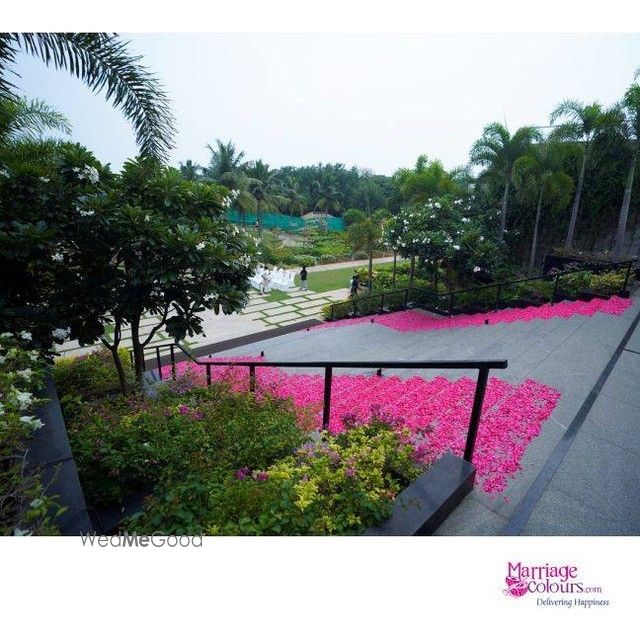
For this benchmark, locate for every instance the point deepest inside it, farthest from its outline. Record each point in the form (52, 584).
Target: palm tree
(498, 150)
(629, 126)
(290, 190)
(190, 170)
(366, 234)
(21, 118)
(264, 188)
(539, 174)
(102, 62)
(427, 180)
(225, 158)
(582, 124)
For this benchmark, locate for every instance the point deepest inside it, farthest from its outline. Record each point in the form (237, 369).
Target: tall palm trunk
(503, 212)
(534, 239)
(624, 209)
(568, 243)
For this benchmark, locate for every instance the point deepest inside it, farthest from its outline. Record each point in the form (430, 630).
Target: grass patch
(276, 296)
(321, 281)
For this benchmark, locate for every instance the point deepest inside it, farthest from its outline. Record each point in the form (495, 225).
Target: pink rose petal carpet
(431, 415)
(412, 320)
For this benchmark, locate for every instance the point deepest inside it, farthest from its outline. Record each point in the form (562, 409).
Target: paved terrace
(581, 475)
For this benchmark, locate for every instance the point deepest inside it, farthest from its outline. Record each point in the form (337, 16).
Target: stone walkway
(259, 315)
(594, 490)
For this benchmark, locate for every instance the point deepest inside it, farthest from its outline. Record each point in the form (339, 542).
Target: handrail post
(208, 375)
(476, 411)
(332, 310)
(173, 361)
(355, 307)
(252, 378)
(326, 407)
(381, 302)
(627, 276)
(159, 361)
(555, 288)
(406, 298)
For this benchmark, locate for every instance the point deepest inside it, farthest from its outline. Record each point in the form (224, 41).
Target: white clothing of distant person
(266, 281)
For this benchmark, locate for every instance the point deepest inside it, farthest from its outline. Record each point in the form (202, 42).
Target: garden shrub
(125, 444)
(575, 283)
(301, 259)
(608, 283)
(92, 375)
(339, 486)
(25, 508)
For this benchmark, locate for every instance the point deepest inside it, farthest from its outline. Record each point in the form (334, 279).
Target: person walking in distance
(303, 279)
(266, 281)
(354, 286)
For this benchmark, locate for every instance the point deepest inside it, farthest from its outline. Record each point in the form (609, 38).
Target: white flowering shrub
(445, 231)
(24, 507)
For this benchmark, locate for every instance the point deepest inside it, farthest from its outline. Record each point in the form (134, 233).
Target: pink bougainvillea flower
(241, 474)
(184, 410)
(412, 320)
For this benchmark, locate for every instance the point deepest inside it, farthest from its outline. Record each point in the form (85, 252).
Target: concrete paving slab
(603, 477)
(615, 422)
(559, 514)
(276, 311)
(279, 319)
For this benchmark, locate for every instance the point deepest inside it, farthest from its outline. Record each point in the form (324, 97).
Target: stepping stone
(262, 306)
(309, 304)
(310, 312)
(283, 308)
(317, 295)
(254, 315)
(284, 317)
(288, 322)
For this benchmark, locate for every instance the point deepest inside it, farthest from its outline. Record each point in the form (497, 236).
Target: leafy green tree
(539, 176)
(366, 235)
(101, 252)
(21, 118)
(497, 150)
(581, 124)
(629, 125)
(102, 62)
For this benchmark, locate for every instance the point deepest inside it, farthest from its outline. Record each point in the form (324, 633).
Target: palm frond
(31, 119)
(102, 62)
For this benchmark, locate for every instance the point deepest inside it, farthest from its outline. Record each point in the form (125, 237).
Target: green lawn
(322, 281)
(276, 296)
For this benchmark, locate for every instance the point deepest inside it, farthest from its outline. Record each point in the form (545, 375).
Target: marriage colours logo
(551, 579)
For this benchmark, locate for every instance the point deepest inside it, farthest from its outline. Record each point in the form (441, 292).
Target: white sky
(375, 101)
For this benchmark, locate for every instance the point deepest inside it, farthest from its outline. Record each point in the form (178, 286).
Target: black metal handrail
(499, 286)
(482, 366)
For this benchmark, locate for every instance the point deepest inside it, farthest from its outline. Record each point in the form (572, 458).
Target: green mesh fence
(282, 221)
